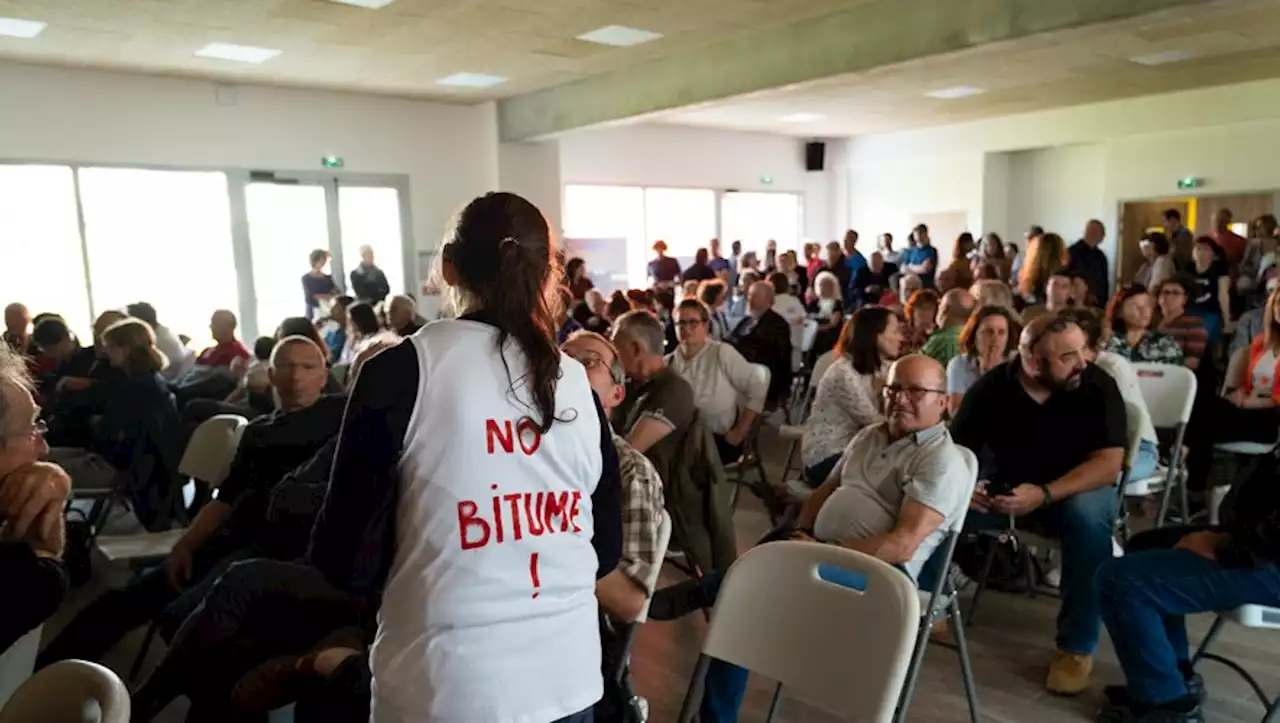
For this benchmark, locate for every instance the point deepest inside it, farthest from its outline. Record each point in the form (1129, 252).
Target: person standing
(1232, 244)
(663, 269)
(368, 282)
(1180, 237)
(921, 259)
(476, 491)
(317, 284)
(853, 259)
(1089, 262)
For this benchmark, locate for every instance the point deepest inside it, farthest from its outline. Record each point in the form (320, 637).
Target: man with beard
(1049, 428)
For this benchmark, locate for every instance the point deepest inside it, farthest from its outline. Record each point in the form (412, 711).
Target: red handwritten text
(517, 515)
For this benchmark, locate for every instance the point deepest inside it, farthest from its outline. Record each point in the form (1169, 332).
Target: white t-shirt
(790, 309)
(489, 615)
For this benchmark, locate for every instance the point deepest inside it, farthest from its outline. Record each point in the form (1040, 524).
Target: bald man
(402, 315)
(899, 487)
(234, 526)
(227, 348)
(764, 337)
(17, 330)
(1090, 263)
(944, 344)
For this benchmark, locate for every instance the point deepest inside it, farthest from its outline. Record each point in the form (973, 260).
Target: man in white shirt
(900, 486)
(792, 311)
(720, 377)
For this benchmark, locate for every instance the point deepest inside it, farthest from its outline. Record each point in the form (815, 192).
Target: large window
(757, 218)
(79, 240)
(286, 223)
(371, 217)
(685, 218)
(614, 227)
(605, 225)
(40, 243)
(163, 237)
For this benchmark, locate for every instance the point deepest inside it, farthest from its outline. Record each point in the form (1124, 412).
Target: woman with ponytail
(475, 493)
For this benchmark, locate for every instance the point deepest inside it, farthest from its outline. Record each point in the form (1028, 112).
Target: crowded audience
(303, 580)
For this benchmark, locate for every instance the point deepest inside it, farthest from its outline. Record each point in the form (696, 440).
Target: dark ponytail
(504, 257)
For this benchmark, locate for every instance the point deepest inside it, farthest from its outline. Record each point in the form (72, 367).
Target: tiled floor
(1010, 644)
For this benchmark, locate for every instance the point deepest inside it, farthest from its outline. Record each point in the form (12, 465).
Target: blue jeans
(1085, 524)
(1212, 321)
(1145, 461)
(1146, 595)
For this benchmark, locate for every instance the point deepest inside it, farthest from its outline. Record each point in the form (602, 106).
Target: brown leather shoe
(1069, 673)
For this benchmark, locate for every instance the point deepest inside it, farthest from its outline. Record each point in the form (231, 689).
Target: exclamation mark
(533, 573)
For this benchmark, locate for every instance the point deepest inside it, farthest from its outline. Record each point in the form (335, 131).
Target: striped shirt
(1190, 334)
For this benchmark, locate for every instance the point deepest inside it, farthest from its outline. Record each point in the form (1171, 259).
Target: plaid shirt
(642, 504)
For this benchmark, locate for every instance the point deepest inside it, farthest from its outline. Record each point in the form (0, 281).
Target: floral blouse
(845, 403)
(1154, 346)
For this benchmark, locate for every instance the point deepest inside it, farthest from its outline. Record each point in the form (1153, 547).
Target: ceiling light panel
(371, 4)
(17, 28)
(237, 53)
(619, 36)
(801, 117)
(959, 91)
(472, 80)
(1164, 58)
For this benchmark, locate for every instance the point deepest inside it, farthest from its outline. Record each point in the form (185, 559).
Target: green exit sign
(1190, 182)
(332, 162)
(766, 180)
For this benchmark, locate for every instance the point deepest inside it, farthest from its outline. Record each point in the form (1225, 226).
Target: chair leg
(1216, 628)
(142, 653)
(791, 455)
(966, 668)
(773, 706)
(1273, 712)
(913, 668)
(693, 696)
(983, 577)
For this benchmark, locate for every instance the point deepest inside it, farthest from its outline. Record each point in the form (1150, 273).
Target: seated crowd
(290, 582)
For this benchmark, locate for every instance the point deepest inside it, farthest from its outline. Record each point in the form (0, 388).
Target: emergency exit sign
(332, 162)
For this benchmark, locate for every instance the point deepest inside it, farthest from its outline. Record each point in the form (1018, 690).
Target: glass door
(369, 219)
(286, 223)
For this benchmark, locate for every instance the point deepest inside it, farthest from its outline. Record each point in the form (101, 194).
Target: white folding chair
(1169, 393)
(207, 458)
(1253, 617)
(794, 433)
(944, 603)
(18, 662)
(834, 625)
(69, 691)
(736, 471)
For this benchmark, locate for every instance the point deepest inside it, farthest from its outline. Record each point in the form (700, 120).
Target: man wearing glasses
(1050, 429)
(900, 485)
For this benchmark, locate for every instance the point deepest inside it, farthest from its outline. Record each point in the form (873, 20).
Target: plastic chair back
(212, 448)
(810, 335)
(663, 541)
(820, 367)
(70, 691)
(1168, 391)
(839, 637)
(17, 663)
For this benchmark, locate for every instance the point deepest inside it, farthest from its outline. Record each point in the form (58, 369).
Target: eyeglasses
(39, 428)
(590, 361)
(682, 323)
(915, 394)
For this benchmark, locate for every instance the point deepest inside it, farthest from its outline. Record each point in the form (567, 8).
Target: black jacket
(1091, 264)
(1251, 520)
(767, 342)
(368, 283)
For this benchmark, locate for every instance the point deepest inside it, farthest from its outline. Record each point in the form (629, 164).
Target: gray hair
(643, 328)
(13, 370)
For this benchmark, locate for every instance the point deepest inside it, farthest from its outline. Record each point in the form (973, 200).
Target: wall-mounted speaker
(815, 155)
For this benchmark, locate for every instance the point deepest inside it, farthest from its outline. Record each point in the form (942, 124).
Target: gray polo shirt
(877, 476)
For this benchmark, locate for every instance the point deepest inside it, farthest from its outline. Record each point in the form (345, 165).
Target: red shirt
(1233, 246)
(223, 354)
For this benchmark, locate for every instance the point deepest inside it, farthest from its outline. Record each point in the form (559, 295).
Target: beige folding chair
(1253, 617)
(794, 433)
(70, 691)
(1169, 393)
(833, 625)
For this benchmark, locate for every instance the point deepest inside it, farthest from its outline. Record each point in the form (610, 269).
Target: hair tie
(510, 240)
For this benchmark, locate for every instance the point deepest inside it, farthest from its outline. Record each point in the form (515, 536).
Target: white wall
(533, 171)
(449, 152)
(1059, 168)
(685, 157)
